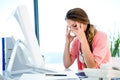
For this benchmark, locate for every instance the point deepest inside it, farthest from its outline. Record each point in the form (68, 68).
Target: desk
(93, 74)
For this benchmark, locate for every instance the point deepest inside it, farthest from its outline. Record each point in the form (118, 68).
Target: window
(103, 14)
(52, 25)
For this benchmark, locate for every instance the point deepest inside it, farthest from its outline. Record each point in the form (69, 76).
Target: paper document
(64, 76)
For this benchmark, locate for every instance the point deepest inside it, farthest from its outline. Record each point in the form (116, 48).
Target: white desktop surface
(93, 74)
(70, 76)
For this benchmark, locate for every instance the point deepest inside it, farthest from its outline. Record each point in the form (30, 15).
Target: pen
(56, 75)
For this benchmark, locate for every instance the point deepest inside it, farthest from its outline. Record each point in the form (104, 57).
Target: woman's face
(71, 23)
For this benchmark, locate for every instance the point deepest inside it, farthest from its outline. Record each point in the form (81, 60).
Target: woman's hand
(69, 38)
(79, 31)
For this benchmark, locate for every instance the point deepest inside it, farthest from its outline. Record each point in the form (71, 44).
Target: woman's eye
(75, 25)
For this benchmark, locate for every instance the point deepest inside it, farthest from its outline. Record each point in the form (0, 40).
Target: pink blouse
(100, 48)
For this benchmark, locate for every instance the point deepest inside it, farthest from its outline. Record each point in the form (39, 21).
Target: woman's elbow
(67, 65)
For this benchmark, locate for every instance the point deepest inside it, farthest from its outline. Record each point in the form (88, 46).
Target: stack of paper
(102, 73)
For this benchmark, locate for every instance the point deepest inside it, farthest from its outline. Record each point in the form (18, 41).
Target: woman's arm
(87, 54)
(66, 57)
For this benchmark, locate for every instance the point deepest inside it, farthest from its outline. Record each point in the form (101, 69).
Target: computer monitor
(27, 27)
(32, 55)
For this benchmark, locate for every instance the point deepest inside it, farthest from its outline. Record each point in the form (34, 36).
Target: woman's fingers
(82, 27)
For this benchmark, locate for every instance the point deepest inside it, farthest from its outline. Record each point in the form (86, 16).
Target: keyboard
(31, 70)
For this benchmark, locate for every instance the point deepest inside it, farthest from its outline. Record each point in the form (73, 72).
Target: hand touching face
(77, 28)
(69, 36)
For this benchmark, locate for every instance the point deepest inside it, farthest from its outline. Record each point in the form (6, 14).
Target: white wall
(8, 24)
(102, 13)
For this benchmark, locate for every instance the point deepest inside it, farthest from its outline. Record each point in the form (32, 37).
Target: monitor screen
(31, 52)
(22, 16)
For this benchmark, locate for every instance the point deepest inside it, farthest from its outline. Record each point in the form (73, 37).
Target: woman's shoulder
(100, 35)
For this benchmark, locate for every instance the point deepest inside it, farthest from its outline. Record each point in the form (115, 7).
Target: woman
(89, 46)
